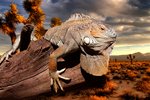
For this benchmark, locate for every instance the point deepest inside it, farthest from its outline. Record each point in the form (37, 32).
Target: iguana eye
(102, 28)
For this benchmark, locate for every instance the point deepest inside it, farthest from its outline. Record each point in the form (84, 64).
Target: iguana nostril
(114, 34)
(111, 33)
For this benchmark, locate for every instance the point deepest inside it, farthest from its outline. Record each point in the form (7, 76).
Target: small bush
(97, 98)
(148, 71)
(132, 95)
(143, 86)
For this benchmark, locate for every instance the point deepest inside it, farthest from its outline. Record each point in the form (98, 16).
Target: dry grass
(148, 71)
(131, 74)
(98, 97)
(143, 86)
(132, 95)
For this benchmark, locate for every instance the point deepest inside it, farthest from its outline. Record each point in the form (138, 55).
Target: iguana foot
(55, 82)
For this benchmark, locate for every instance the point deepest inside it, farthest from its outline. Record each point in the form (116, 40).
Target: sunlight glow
(123, 50)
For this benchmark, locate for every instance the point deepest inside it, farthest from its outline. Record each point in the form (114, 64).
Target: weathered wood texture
(26, 73)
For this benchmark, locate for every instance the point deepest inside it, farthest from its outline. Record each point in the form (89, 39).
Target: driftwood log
(26, 73)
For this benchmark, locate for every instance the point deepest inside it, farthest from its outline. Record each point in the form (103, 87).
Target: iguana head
(103, 31)
(96, 27)
(104, 36)
(97, 45)
(97, 48)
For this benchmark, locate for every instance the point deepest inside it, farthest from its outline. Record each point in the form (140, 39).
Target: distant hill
(138, 57)
(147, 54)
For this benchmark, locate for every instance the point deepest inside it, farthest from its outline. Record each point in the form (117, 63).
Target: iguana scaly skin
(81, 32)
(93, 38)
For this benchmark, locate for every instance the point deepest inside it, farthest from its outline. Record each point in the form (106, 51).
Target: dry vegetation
(123, 82)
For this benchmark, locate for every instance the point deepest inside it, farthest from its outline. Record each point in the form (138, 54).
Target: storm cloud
(114, 8)
(130, 18)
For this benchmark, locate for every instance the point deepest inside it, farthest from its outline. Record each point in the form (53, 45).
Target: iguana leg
(54, 74)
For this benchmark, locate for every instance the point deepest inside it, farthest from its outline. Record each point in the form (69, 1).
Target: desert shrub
(143, 86)
(114, 68)
(146, 78)
(131, 67)
(108, 88)
(132, 95)
(148, 97)
(148, 71)
(131, 74)
(94, 97)
(145, 64)
(117, 77)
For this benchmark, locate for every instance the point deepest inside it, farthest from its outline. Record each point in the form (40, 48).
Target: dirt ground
(124, 81)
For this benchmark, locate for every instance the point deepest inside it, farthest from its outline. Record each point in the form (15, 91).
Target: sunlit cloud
(5, 43)
(4, 48)
(124, 50)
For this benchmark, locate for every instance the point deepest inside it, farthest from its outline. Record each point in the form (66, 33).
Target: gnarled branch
(26, 73)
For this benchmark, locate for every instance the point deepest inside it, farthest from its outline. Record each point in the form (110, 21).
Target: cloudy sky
(130, 19)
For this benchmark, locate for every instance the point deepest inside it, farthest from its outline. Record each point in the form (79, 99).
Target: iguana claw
(55, 79)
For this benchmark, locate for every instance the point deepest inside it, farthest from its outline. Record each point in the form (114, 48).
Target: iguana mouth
(110, 43)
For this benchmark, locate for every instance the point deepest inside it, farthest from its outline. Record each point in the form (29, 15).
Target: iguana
(81, 32)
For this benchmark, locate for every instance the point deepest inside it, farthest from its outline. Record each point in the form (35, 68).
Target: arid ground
(124, 81)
